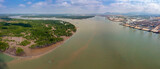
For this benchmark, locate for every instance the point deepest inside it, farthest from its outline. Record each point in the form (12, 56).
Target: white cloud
(1, 0)
(85, 2)
(65, 4)
(2, 6)
(71, 6)
(22, 5)
(29, 3)
(125, 6)
(39, 4)
(93, 6)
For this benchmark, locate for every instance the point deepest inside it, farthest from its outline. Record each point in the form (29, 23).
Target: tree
(3, 46)
(19, 51)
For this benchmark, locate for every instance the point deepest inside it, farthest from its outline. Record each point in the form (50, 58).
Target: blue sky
(79, 6)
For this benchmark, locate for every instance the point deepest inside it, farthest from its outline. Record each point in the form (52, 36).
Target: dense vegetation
(61, 16)
(3, 46)
(42, 32)
(25, 42)
(19, 51)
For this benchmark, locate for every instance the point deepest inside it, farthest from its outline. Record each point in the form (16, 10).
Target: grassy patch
(25, 43)
(19, 51)
(3, 46)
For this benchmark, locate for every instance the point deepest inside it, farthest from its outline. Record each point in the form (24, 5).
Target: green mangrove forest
(32, 33)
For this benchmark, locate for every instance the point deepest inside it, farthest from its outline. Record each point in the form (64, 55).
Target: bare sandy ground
(36, 53)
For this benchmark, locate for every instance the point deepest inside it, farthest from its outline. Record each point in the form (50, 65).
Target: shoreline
(140, 28)
(48, 50)
(153, 30)
(143, 25)
(41, 51)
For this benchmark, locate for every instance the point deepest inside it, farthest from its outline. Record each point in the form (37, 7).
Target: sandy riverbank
(39, 51)
(36, 53)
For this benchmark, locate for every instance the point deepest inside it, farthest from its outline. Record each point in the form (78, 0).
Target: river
(99, 44)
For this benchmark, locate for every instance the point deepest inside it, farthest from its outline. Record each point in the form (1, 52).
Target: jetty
(156, 29)
(151, 25)
(141, 27)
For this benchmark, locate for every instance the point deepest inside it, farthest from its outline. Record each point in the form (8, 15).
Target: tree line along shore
(59, 16)
(18, 36)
